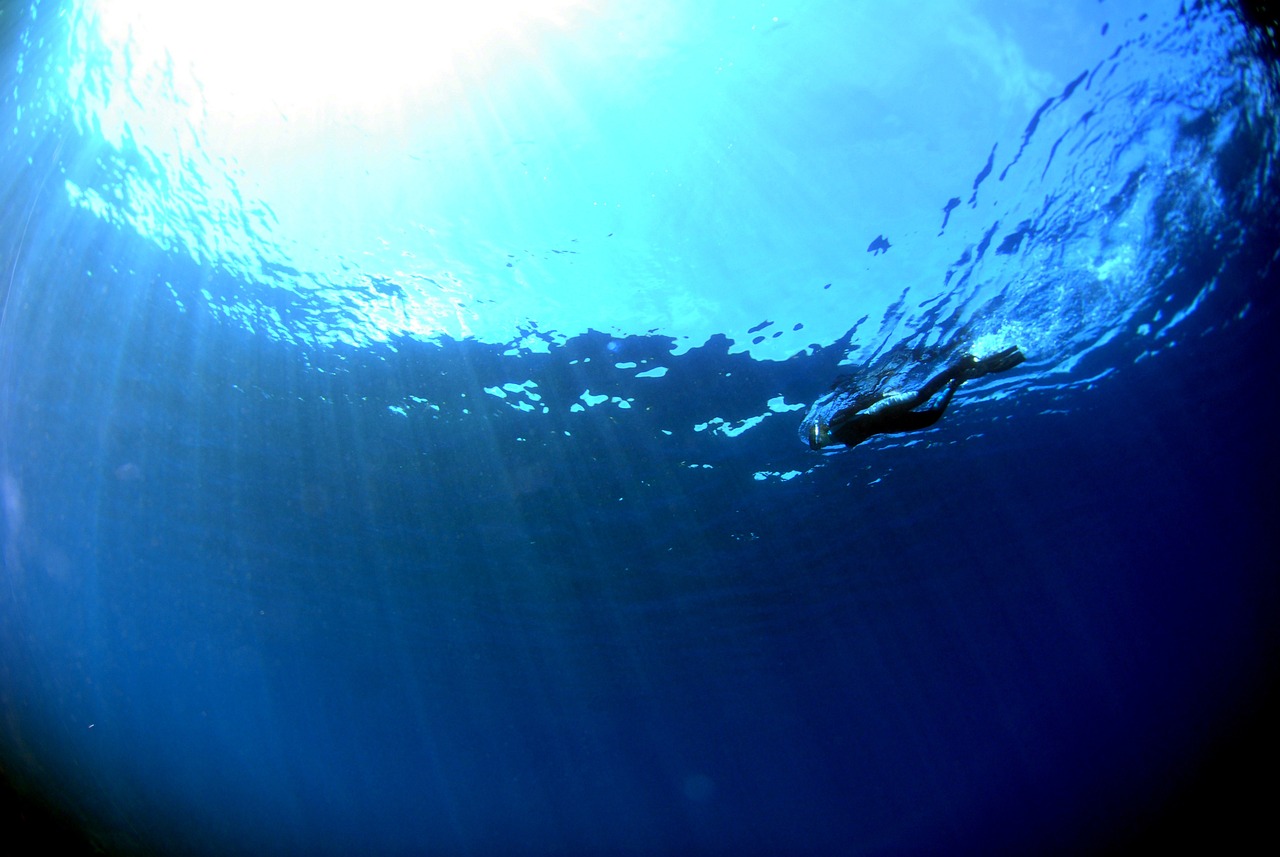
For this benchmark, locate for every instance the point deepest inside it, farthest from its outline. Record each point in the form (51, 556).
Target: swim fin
(1001, 361)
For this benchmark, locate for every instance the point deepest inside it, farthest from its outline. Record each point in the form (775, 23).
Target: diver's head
(819, 435)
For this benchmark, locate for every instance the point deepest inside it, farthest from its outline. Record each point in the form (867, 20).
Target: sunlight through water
(523, 173)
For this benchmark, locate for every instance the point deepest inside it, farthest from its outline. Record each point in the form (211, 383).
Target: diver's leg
(969, 367)
(961, 370)
(953, 373)
(916, 420)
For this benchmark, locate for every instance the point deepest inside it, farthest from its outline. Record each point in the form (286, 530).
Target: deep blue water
(272, 589)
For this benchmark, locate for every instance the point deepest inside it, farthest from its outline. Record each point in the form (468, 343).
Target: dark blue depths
(249, 608)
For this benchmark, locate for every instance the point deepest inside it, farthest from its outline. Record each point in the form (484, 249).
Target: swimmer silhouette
(895, 412)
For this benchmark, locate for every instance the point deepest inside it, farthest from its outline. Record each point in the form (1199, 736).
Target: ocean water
(399, 427)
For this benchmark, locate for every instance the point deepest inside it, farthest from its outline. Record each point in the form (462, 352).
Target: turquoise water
(400, 442)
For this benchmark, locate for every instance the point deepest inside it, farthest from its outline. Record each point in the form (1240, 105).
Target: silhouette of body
(895, 412)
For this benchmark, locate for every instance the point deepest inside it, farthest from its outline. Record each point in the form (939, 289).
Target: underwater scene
(609, 427)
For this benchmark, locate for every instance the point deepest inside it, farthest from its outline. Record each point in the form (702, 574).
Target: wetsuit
(891, 413)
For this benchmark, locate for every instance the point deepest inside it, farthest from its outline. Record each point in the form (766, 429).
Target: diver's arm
(850, 431)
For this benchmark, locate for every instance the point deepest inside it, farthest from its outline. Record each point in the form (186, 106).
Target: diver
(894, 412)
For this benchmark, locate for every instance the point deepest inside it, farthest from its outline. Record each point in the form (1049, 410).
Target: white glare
(256, 58)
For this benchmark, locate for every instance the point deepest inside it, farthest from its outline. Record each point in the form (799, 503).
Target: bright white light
(254, 58)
